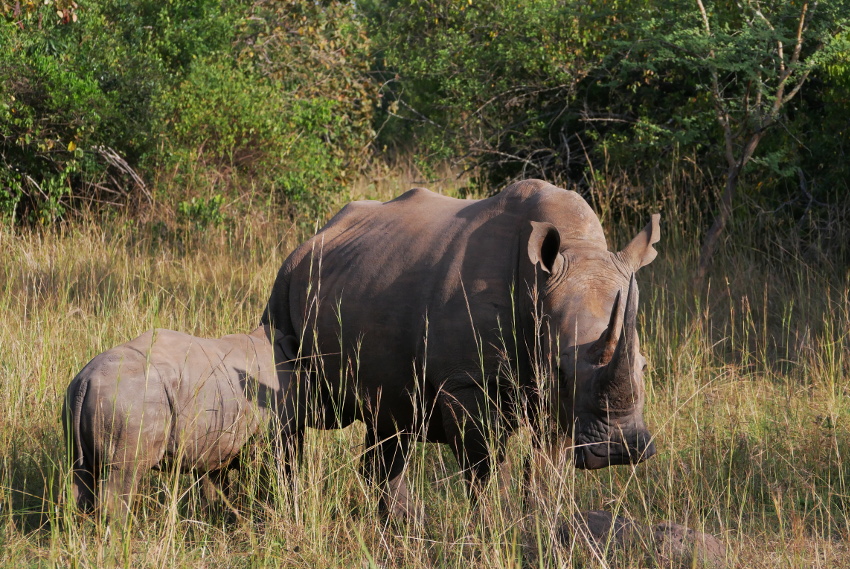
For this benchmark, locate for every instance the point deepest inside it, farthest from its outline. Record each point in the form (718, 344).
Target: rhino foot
(399, 505)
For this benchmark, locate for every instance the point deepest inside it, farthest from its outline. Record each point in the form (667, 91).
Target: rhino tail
(82, 467)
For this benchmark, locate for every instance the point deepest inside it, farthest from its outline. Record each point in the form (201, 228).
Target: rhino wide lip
(592, 452)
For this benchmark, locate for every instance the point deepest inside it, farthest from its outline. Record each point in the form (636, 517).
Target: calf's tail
(83, 473)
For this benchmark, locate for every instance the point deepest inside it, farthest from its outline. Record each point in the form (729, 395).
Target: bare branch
(797, 87)
(800, 27)
(786, 72)
(780, 48)
(722, 113)
(704, 17)
(116, 161)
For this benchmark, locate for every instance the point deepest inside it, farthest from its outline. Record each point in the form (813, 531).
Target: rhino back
(206, 381)
(423, 272)
(120, 395)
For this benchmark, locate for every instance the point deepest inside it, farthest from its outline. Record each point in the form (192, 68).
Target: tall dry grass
(747, 395)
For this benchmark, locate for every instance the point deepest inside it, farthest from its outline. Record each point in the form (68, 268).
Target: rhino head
(589, 300)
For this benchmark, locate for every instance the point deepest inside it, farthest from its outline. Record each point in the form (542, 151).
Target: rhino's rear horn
(602, 350)
(616, 380)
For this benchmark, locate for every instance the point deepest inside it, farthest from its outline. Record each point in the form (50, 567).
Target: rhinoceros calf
(445, 320)
(168, 398)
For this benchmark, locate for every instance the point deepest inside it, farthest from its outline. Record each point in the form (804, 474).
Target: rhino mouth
(603, 447)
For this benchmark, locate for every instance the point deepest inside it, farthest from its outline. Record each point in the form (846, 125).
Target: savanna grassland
(747, 395)
(159, 160)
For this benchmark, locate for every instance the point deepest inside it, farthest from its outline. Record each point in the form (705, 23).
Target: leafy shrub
(560, 90)
(316, 55)
(97, 101)
(47, 111)
(492, 80)
(77, 87)
(202, 213)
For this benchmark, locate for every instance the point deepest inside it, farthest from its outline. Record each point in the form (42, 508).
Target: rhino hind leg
(383, 465)
(83, 485)
(84, 475)
(135, 451)
(216, 491)
(83, 464)
(118, 492)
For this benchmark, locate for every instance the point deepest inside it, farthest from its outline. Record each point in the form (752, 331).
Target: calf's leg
(83, 485)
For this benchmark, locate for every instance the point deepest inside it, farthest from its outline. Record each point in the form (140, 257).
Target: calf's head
(589, 300)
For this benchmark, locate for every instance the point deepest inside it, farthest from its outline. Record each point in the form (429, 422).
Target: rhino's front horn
(603, 349)
(615, 382)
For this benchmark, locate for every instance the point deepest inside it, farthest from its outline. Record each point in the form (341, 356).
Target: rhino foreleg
(383, 465)
(467, 425)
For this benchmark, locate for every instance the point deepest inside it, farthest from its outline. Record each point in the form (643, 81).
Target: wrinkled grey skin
(167, 398)
(419, 315)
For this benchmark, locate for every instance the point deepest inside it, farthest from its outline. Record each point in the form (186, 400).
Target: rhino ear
(544, 246)
(640, 252)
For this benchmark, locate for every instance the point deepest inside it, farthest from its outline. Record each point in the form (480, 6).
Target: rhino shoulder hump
(415, 194)
(528, 188)
(357, 208)
(351, 214)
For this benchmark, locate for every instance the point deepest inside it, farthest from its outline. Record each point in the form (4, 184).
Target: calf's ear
(289, 345)
(544, 246)
(285, 347)
(640, 252)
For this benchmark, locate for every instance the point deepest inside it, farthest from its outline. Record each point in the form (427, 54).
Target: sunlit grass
(747, 396)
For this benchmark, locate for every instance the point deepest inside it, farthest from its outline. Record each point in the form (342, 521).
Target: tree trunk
(709, 244)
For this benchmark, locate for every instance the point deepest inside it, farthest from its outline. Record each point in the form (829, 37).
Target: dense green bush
(289, 107)
(99, 102)
(560, 89)
(493, 82)
(669, 66)
(77, 94)
(117, 100)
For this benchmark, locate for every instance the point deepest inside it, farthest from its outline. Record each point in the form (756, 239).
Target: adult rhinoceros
(429, 317)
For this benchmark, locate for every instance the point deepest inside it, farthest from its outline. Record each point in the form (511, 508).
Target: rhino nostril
(642, 448)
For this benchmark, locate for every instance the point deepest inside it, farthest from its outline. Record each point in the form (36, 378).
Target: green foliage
(202, 213)
(558, 89)
(46, 110)
(219, 108)
(670, 63)
(77, 96)
(316, 57)
(288, 107)
(96, 99)
(490, 80)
